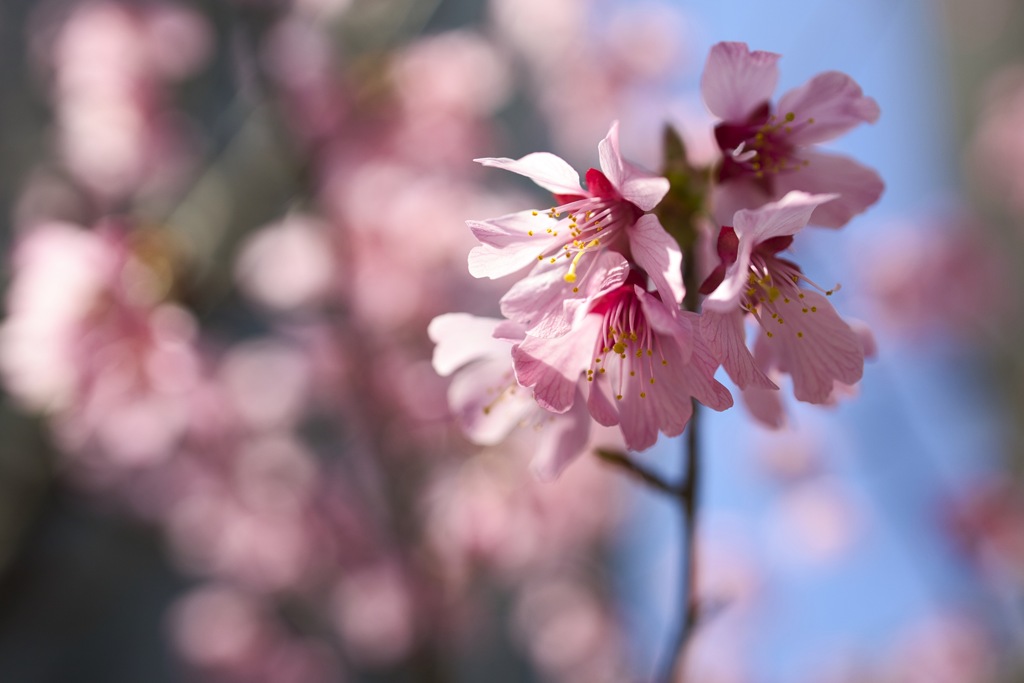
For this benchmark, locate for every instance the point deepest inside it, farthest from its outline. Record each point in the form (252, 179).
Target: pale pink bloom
(287, 265)
(492, 511)
(111, 64)
(487, 401)
(218, 626)
(568, 632)
(90, 339)
(643, 361)
(913, 262)
(944, 647)
(803, 335)
(561, 241)
(459, 72)
(374, 612)
(268, 548)
(768, 151)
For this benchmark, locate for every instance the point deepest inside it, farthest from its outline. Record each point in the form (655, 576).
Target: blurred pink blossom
(90, 338)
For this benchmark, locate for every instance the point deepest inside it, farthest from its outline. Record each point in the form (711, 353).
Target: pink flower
(803, 334)
(643, 361)
(767, 153)
(608, 215)
(485, 398)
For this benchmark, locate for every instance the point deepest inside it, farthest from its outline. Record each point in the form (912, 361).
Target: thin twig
(689, 489)
(639, 471)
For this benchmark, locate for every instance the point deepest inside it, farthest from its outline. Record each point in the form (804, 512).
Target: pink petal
(656, 252)
(725, 298)
(816, 348)
(552, 367)
(538, 303)
(667, 321)
(867, 337)
(726, 337)
(547, 170)
(699, 378)
(487, 402)
(638, 416)
(561, 441)
(765, 405)
(736, 80)
(507, 245)
(858, 186)
(643, 188)
(600, 405)
(461, 338)
(787, 216)
(834, 101)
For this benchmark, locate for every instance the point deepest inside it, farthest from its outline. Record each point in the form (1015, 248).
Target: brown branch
(638, 471)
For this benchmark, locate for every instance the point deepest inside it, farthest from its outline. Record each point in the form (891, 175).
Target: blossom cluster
(596, 331)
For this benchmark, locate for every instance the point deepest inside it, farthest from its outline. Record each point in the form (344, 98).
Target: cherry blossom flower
(487, 401)
(803, 334)
(608, 215)
(769, 151)
(643, 361)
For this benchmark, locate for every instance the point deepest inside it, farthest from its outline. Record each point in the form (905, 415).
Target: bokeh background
(225, 456)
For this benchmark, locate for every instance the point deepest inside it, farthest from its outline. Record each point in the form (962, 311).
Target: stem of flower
(689, 493)
(690, 187)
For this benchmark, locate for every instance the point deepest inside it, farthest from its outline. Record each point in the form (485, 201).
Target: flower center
(628, 349)
(773, 294)
(760, 147)
(597, 219)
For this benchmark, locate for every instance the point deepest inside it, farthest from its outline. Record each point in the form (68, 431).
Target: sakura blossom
(643, 362)
(608, 215)
(802, 333)
(285, 406)
(769, 150)
(488, 401)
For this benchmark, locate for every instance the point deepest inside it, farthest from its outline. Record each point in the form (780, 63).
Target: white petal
(547, 170)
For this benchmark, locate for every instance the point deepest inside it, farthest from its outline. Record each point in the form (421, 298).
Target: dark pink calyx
(728, 247)
(599, 186)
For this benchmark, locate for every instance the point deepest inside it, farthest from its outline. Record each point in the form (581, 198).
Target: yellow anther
(619, 348)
